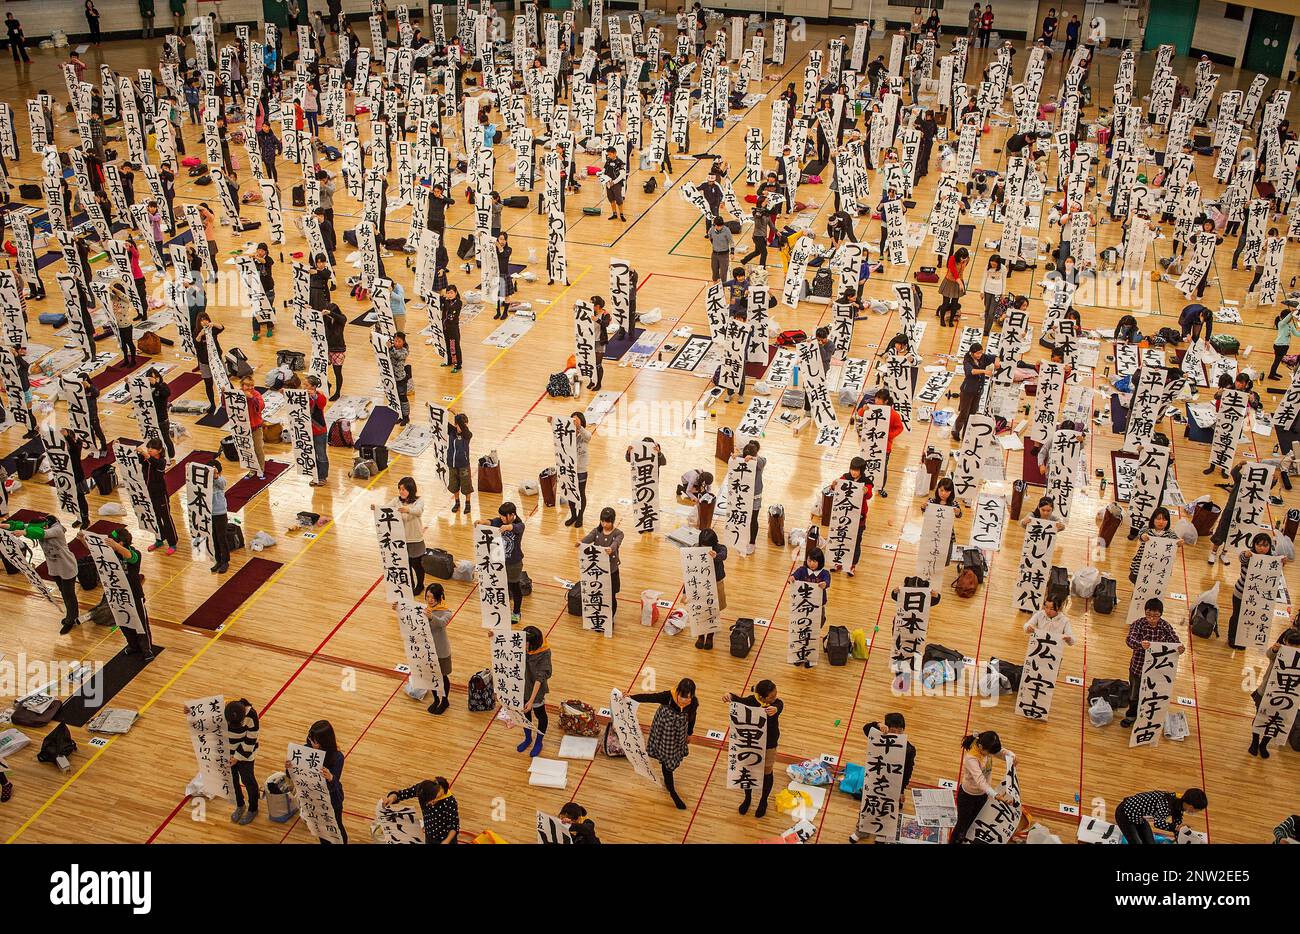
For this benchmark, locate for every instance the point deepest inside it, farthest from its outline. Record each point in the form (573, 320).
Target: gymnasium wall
(1014, 17)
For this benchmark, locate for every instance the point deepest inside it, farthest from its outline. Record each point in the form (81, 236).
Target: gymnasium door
(1171, 22)
(1266, 46)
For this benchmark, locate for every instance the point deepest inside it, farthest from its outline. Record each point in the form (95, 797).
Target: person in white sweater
(410, 507)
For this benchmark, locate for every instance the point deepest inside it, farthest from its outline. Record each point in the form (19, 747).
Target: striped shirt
(1288, 828)
(243, 741)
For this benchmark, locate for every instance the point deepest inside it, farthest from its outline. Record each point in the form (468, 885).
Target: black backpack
(650, 185)
(1114, 690)
(439, 563)
(934, 652)
(823, 284)
(837, 644)
(1008, 671)
(1103, 598)
(574, 600)
(58, 743)
(558, 385)
(480, 691)
(742, 637)
(87, 573)
(1058, 585)
(1204, 621)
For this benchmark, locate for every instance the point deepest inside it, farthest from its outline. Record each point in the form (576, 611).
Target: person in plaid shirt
(1150, 627)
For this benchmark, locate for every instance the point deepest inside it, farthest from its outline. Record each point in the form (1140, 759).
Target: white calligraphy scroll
(113, 578)
(508, 660)
(807, 609)
(1159, 669)
(845, 522)
(305, 766)
(746, 746)
(200, 490)
(597, 589)
(700, 591)
(644, 460)
(628, 729)
(882, 788)
(1041, 669)
(390, 532)
(206, 718)
(1035, 557)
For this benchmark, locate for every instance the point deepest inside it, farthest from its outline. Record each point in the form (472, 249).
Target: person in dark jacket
(155, 481)
(537, 675)
(321, 736)
(895, 724)
(161, 392)
(671, 729)
(581, 828)
(336, 344)
(73, 444)
(765, 696)
(91, 394)
(438, 809)
(718, 552)
(458, 469)
(327, 233)
(451, 308)
(269, 145)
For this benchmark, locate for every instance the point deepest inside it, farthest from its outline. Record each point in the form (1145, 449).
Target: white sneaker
(1210, 559)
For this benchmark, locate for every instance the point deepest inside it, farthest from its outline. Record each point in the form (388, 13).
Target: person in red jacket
(318, 431)
(256, 423)
(857, 472)
(883, 397)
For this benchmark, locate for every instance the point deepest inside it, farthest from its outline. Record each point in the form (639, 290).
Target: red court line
(722, 746)
(293, 677)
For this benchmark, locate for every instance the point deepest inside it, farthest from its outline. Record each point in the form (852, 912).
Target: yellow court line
(504, 350)
(257, 595)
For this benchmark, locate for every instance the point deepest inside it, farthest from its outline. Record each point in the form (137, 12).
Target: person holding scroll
(975, 788)
(137, 643)
(60, 564)
(1146, 629)
(606, 536)
(671, 729)
(1261, 543)
(765, 696)
(439, 813)
(537, 676)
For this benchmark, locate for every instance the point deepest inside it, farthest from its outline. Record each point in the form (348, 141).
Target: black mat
(814, 167)
(378, 427)
(217, 419)
(33, 446)
(615, 349)
(102, 687)
(965, 235)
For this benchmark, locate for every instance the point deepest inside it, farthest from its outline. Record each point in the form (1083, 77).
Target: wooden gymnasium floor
(319, 640)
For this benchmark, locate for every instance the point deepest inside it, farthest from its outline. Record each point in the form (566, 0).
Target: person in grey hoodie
(537, 674)
(53, 539)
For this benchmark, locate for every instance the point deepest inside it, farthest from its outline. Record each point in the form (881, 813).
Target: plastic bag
(810, 772)
(1099, 712)
(1085, 582)
(1186, 531)
(787, 801)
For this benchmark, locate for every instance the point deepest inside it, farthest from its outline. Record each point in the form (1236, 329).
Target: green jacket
(33, 530)
(177, 7)
(146, 8)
